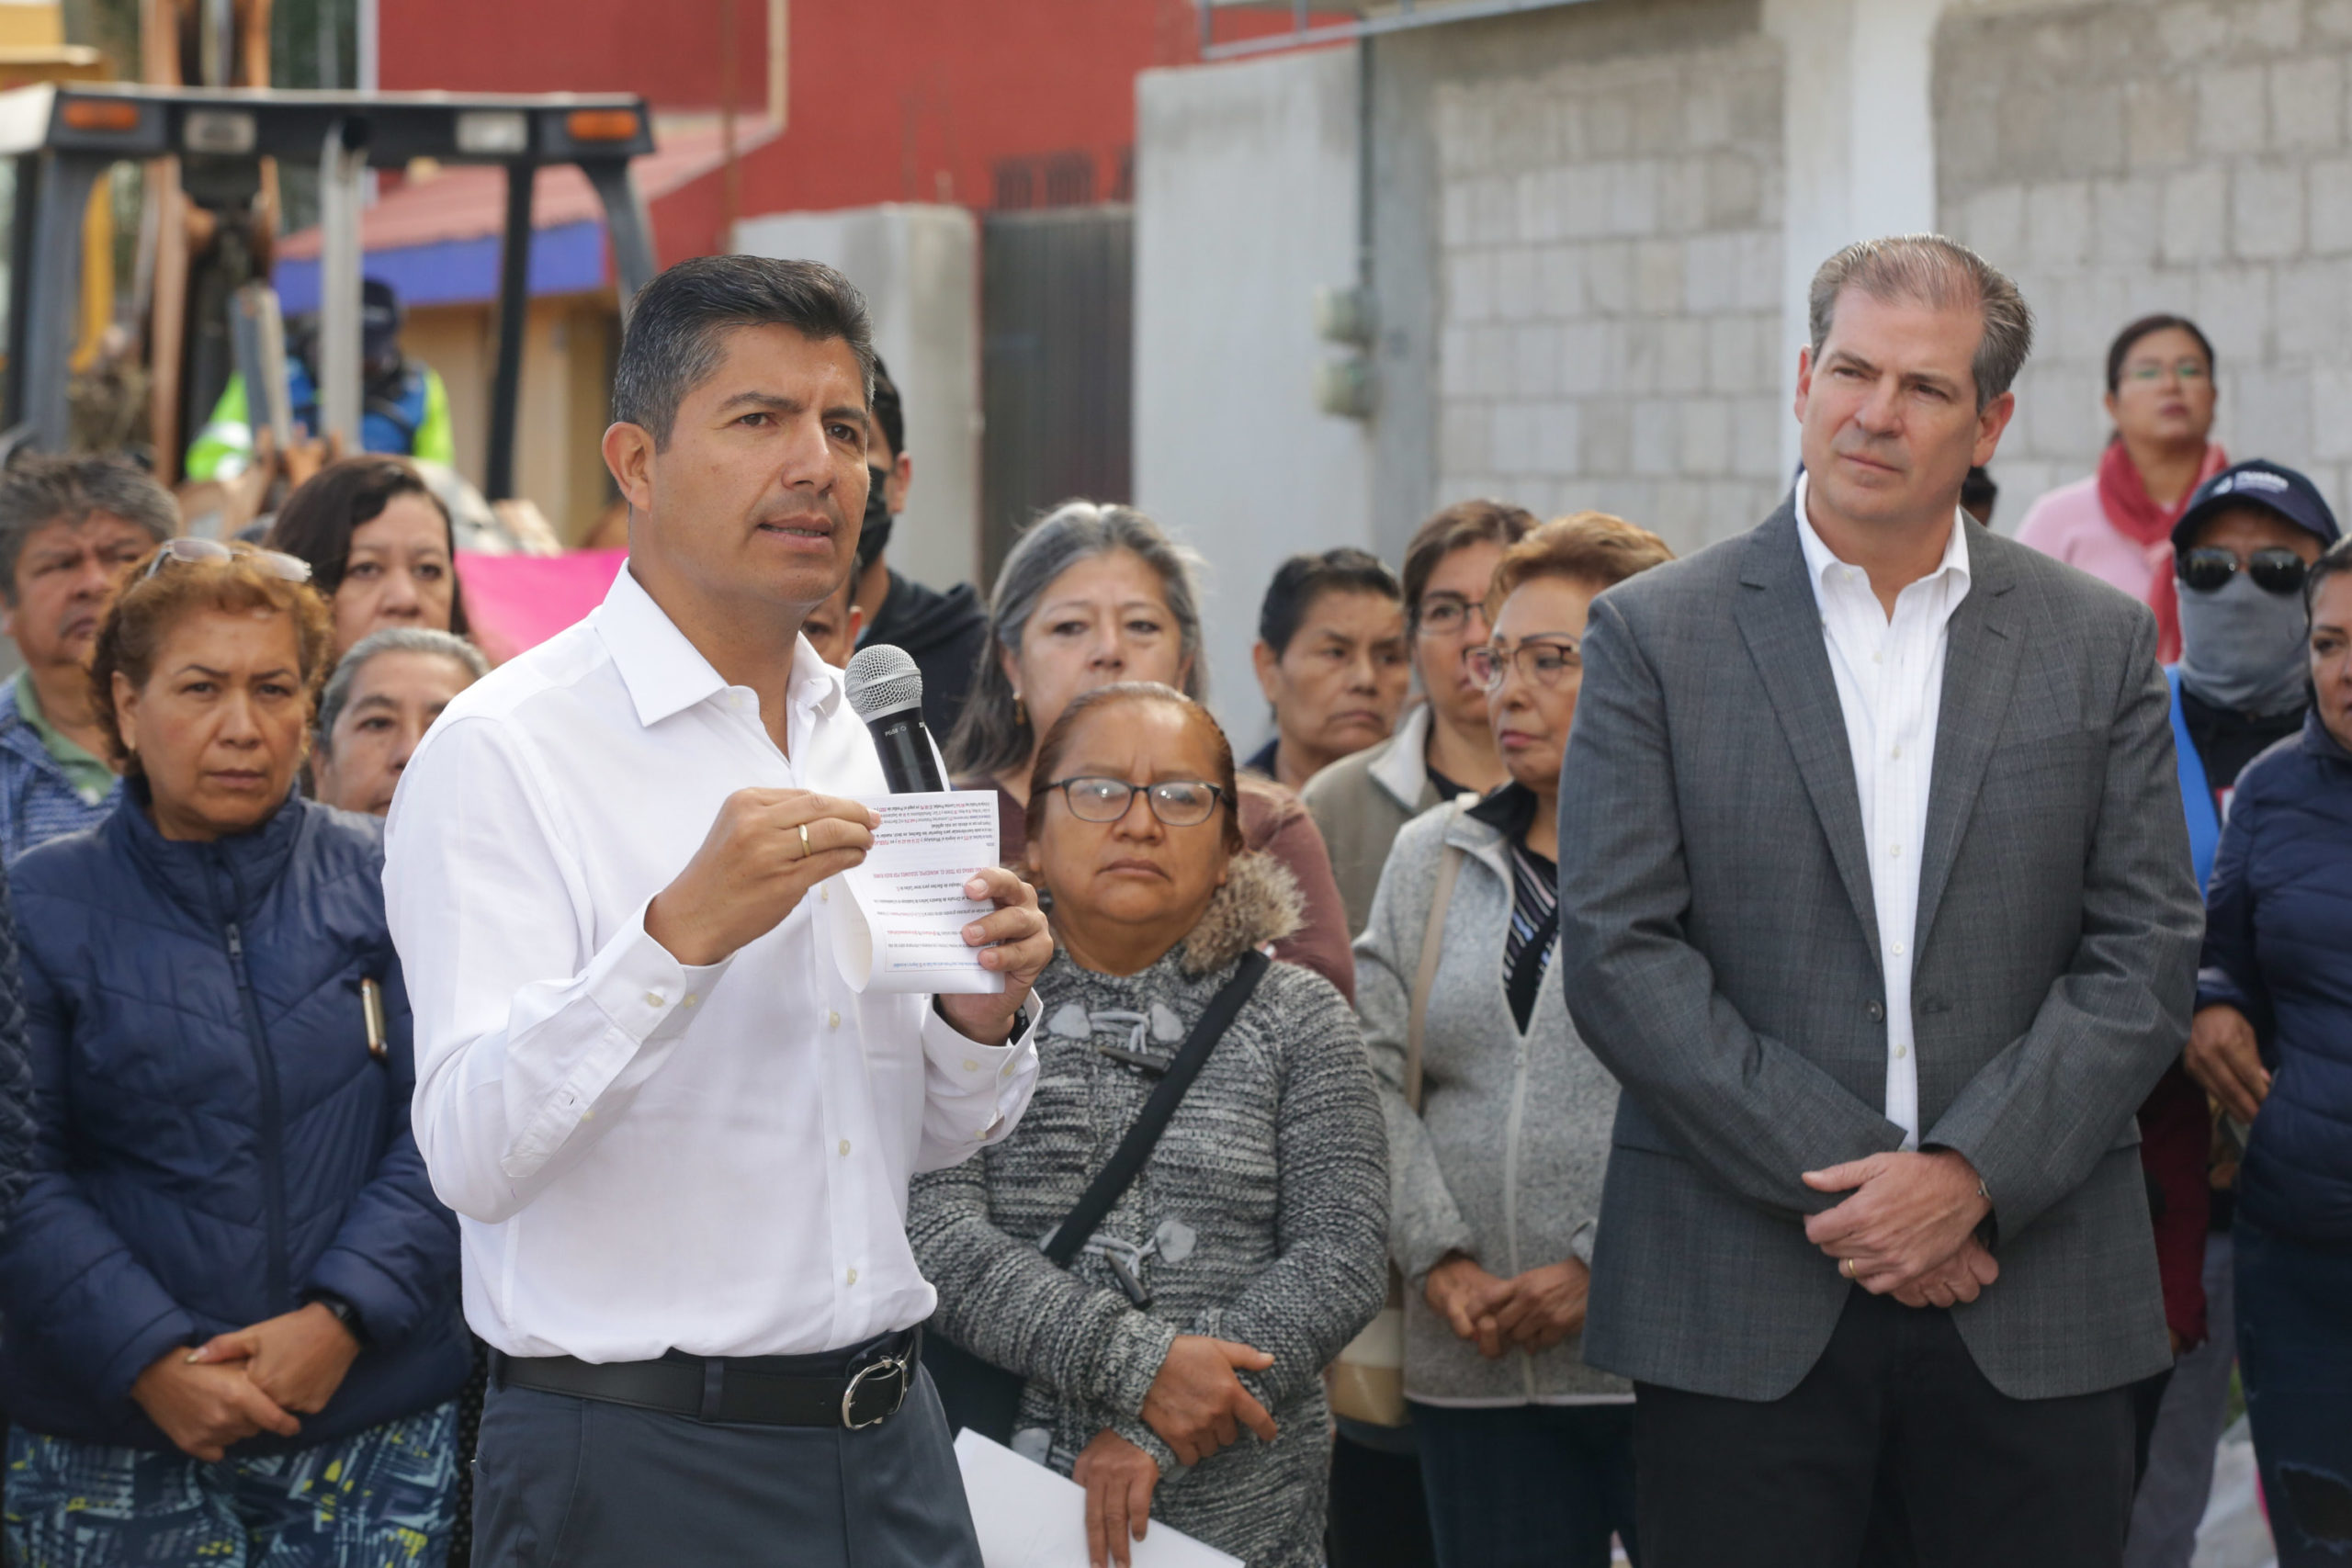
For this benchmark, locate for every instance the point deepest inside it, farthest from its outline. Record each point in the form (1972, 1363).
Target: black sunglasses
(2274, 570)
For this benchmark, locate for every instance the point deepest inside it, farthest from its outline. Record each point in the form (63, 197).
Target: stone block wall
(2128, 156)
(1607, 281)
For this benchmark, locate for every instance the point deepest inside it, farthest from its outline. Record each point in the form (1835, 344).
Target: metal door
(1057, 320)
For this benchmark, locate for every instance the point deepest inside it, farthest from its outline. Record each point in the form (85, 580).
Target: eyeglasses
(1178, 803)
(1548, 664)
(277, 563)
(1444, 615)
(2274, 570)
(2148, 375)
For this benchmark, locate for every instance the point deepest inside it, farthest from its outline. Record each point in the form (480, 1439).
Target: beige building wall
(1609, 265)
(2136, 156)
(569, 346)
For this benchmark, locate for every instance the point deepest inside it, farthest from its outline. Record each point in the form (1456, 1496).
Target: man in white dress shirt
(1874, 894)
(677, 1142)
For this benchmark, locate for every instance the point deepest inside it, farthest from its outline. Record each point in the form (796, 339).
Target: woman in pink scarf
(2117, 525)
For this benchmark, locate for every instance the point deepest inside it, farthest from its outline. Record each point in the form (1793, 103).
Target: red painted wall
(890, 100)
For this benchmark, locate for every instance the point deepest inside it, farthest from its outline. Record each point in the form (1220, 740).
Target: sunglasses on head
(277, 563)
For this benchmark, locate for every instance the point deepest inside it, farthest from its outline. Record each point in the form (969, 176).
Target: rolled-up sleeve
(513, 1080)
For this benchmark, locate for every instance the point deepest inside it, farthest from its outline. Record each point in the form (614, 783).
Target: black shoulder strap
(1119, 1172)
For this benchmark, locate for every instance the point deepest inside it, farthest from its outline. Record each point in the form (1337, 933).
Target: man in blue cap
(2240, 553)
(406, 409)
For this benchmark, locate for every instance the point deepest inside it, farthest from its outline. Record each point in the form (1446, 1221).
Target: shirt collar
(1818, 558)
(666, 674)
(89, 776)
(1404, 769)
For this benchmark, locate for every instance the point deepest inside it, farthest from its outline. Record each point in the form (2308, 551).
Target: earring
(1020, 713)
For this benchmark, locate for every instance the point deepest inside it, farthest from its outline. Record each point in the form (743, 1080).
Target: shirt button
(1894, 852)
(1898, 950)
(691, 998)
(852, 1276)
(1896, 754)
(971, 1066)
(844, 1146)
(1901, 1052)
(653, 999)
(825, 892)
(1878, 1012)
(1878, 658)
(833, 1019)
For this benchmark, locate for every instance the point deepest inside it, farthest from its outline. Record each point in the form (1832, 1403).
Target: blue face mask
(2242, 647)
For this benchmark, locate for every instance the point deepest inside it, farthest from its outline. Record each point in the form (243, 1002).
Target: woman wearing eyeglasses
(230, 1291)
(1193, 1327)
(1093, 594)
(2117, 525)
(1499, 1116)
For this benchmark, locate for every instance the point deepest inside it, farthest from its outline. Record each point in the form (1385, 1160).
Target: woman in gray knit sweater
(1526, 1453)
(1175, 1369)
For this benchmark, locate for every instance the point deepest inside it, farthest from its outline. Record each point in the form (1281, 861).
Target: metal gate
(1056, 322)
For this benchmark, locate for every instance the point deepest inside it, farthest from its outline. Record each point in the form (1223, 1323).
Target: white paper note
(1029, 1517)
(901, 927)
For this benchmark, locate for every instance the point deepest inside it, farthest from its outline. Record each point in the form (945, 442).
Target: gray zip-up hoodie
(1262, 1209)
(1505, 1160)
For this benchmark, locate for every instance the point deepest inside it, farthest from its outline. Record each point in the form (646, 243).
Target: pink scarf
(2131, 511)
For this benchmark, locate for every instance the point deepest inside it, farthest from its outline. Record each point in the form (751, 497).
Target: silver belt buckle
(898, 1364)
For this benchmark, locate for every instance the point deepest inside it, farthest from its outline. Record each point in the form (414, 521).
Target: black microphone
(886, 689)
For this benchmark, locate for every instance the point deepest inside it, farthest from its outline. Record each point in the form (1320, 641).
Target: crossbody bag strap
(1425, 977)
(1119, 1172)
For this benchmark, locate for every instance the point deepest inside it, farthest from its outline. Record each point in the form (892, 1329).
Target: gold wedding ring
(1847, 1269)
(804, 840)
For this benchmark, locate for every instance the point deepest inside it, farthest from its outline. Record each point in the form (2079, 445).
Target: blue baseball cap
(2271, 486)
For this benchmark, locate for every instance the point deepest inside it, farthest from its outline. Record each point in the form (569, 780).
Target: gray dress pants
(567, 1483)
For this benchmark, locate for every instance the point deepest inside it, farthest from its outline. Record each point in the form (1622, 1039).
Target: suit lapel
(1980, 675)
(1780, 623)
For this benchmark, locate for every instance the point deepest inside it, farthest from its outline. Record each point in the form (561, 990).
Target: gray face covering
(2241, 647)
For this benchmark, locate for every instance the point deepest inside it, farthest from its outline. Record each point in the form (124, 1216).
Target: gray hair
(393, 639)
(1931, 270)
(676, 328)
(37, 492)
(994, 733)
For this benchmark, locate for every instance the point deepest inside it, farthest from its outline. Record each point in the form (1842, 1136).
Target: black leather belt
(863, 1386)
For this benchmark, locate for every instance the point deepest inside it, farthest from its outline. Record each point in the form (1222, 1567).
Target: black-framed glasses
(1443, 614)
(1548, 661)
(277, 563)
(1178, 803)
(2275, 571)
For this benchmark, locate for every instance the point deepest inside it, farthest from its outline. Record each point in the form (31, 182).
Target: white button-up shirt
(646, 1156)
(1890, 673)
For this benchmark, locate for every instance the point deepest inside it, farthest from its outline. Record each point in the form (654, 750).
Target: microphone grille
(882, 679)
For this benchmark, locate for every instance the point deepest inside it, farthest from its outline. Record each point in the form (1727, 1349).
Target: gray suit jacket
(1720, 951)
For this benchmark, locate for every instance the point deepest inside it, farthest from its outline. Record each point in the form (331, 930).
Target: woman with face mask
(2241, 549)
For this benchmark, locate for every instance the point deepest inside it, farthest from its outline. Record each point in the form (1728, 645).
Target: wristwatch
(345, 1313)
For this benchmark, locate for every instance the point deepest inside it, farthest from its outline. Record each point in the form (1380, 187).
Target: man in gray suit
(1875, 895)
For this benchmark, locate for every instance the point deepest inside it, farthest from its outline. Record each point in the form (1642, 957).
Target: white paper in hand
(1029, 1517)
(900, 927)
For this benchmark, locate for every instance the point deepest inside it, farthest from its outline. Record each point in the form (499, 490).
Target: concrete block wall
(1607, 299)
(2136, 155)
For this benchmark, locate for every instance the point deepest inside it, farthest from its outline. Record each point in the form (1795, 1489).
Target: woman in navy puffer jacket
(232, 1328)
(2273, 1043)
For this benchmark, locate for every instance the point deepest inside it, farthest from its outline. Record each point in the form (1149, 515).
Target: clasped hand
(767, 848)
(1908, 1229)
(253, 1379)
(1534, 1311)
(1197, 1405)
